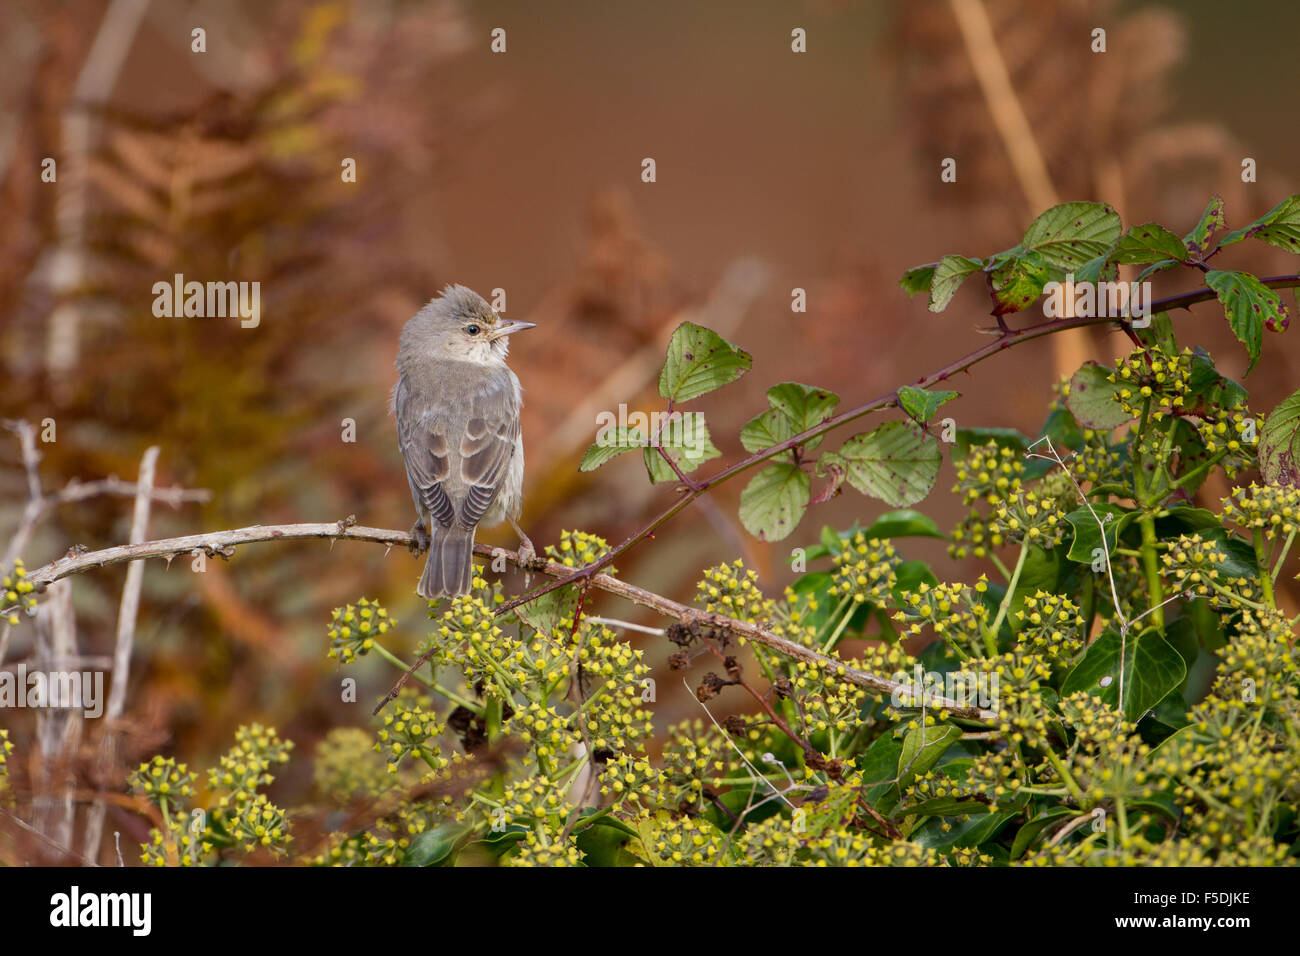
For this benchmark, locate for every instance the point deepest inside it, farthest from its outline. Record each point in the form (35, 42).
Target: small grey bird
(457, 406)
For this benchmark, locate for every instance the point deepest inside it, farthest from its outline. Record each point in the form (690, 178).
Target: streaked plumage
(457, 405)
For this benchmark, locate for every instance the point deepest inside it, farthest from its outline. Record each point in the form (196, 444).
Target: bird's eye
(472, 329)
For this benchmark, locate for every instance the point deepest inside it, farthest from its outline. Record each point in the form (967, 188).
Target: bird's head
(460, 325)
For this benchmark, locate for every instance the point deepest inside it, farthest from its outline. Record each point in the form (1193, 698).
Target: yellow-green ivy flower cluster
(353, 629)
(259, 825)
(579, 548)
(989, 472)
(163, 779)
(1198, 565)
(346, 767)
(19, 591)
(865, 570)
(1151, 379)
(1270, 509)
(1025, 515)
(409, 732)
(247, 766)
(731, 590)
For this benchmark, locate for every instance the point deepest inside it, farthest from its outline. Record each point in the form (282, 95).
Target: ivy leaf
(904, 523)
(687, 440)
(774, 501)
(1198, 240)
(1280, 227)
(1249, 306)
(699, 360)
(1279, 443)
(951, 272)
(609, 447)
(918, 279)
(1087, 535)
(920, 403)
(434, 846)
(1094, 400)
(1151, 670)
(916, 759)
(1070, 234)
(1149, 242)
(896, 462)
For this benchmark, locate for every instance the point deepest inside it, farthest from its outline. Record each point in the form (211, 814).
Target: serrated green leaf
(951, 272)
(1151, 670)
(795, 408)
(1279, 443)
(918, 279)
(1198, 240)
(1093, 400)
(1154, 268)
(698, 361)
(1070, 234)
(610, 446)
(895, 462)
(1149, 242)
(687, 439)
(1019, 281)
(1099, 269)
(774, 501)
(1280, 227)
(921, 403)
(1250, 306)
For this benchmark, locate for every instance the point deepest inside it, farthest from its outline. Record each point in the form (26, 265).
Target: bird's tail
(449, 569)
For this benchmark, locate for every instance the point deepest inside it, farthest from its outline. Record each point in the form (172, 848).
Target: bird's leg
(419, 538)
(527, 553)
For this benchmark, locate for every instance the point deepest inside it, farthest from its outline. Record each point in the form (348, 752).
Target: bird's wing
(425, 447)
(491, 434)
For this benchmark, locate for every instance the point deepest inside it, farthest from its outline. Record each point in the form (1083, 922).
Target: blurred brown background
(521, 171)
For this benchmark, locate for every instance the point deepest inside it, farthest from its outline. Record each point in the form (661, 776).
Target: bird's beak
(509, 328)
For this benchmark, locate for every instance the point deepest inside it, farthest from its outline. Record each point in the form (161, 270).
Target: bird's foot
(527, 553)
(419, 538)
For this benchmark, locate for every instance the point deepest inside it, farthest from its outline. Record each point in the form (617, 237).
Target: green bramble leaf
(1151, 670)
(610, 446)
(1019, 280)
(918, 279)
(896, 462)
(774, 501)
(687, 439)
(1279, 443)
(699, 360)
(920, 403)
(1250, 306)
(1070, 234)
(1149, 242)
(1198, 240)
(1093, 400)
(951, 272)
(1280, 227)
(795, 409)
(1155, 267)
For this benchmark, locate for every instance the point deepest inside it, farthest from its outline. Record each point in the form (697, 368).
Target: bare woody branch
(224, 543)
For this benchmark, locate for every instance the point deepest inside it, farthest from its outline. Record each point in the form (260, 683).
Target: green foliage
(1058, 713)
